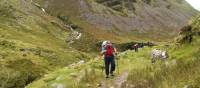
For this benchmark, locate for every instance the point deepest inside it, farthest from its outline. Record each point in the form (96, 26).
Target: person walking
(109, 52)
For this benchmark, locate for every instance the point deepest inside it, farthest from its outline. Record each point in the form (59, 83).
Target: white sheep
(158, 54)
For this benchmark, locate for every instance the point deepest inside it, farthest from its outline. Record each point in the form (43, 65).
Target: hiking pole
(103, 66)
(117, 64)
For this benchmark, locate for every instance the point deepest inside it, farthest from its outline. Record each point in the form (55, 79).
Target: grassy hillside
(90, 74)
(179, 71)
(182, 68)
(32, 43)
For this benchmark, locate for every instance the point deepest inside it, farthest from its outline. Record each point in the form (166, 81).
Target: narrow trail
(116, 82)
(121, 79)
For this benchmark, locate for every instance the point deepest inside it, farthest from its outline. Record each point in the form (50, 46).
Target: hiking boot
(107, 76)
(112, 74)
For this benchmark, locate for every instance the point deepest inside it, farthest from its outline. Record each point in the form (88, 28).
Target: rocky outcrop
(187, 33)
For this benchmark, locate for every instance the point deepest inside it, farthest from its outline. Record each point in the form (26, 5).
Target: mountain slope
(180, 70)
(152, 18)
(32, 43)
(39, 36)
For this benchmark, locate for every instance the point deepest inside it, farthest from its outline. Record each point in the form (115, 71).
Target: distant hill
(156, 19)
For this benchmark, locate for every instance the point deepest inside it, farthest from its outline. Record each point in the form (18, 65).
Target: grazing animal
(158, 54)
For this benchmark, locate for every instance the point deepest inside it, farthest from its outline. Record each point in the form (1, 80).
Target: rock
(57, 85)
(112, 87)
(99, 85)
(72, 65)
(24, 55)
(73, 75)
(79, 36)
(66, 67)
(81, 62)
(59, 78)
(45, 75)
(22, 49)
(174, 62)
(1, 57)
(132, 86)
(186, 86)
(88, 85)
(167, 63)
(1, 36)
(43, 10)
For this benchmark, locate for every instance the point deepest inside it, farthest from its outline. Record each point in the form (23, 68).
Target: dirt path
(116, 82)
(121, 79)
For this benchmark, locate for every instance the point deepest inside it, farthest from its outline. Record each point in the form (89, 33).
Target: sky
(195, 3)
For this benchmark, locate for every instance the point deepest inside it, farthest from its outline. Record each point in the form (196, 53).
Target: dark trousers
(109, 64)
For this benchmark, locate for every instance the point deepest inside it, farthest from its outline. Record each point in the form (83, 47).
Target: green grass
(89, 74)
(31, 45)
(180, 70)
(43, 51)
(72, 77)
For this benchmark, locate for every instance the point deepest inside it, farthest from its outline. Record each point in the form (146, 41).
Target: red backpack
(109, 50)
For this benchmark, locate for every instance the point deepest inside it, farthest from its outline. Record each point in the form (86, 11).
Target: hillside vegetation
(53, 43)
(32, 43)
(180, 70)
(125, 19)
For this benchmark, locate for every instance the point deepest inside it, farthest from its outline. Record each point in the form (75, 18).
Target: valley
(56, 43)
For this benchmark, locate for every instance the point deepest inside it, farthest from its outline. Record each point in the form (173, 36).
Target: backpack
(109, 50)
(103, 47)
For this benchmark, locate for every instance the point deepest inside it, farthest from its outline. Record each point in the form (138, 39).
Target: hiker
(109, 52)
(135, 47)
